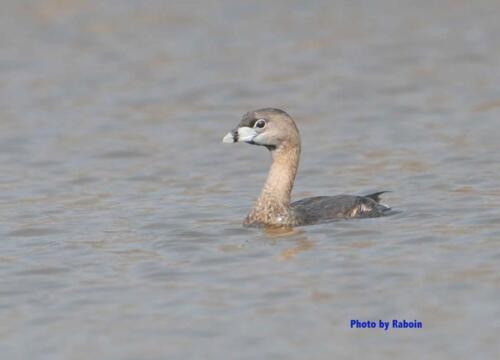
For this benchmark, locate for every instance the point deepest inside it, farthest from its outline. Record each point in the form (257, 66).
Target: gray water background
(120, 209)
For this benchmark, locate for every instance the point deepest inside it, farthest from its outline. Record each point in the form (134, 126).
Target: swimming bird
(276, 130)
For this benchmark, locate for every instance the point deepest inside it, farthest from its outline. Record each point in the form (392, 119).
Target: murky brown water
(120, 208)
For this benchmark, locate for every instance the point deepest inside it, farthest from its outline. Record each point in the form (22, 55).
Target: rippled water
(121, 210)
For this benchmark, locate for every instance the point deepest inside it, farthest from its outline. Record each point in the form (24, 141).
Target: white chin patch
(246, 134)
(229, 138)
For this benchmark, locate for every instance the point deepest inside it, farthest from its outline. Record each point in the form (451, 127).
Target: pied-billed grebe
(275, 129)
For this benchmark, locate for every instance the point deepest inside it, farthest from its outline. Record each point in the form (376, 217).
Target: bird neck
(274, 199)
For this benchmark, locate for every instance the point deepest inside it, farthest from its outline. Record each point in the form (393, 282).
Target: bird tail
(383, 208)
(376, 196)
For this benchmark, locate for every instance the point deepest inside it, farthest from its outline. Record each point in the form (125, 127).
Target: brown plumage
(275, 129)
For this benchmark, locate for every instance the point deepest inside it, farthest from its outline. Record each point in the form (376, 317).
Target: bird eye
(260, 123)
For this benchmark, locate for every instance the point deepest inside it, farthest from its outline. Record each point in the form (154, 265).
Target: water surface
(121, 210)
